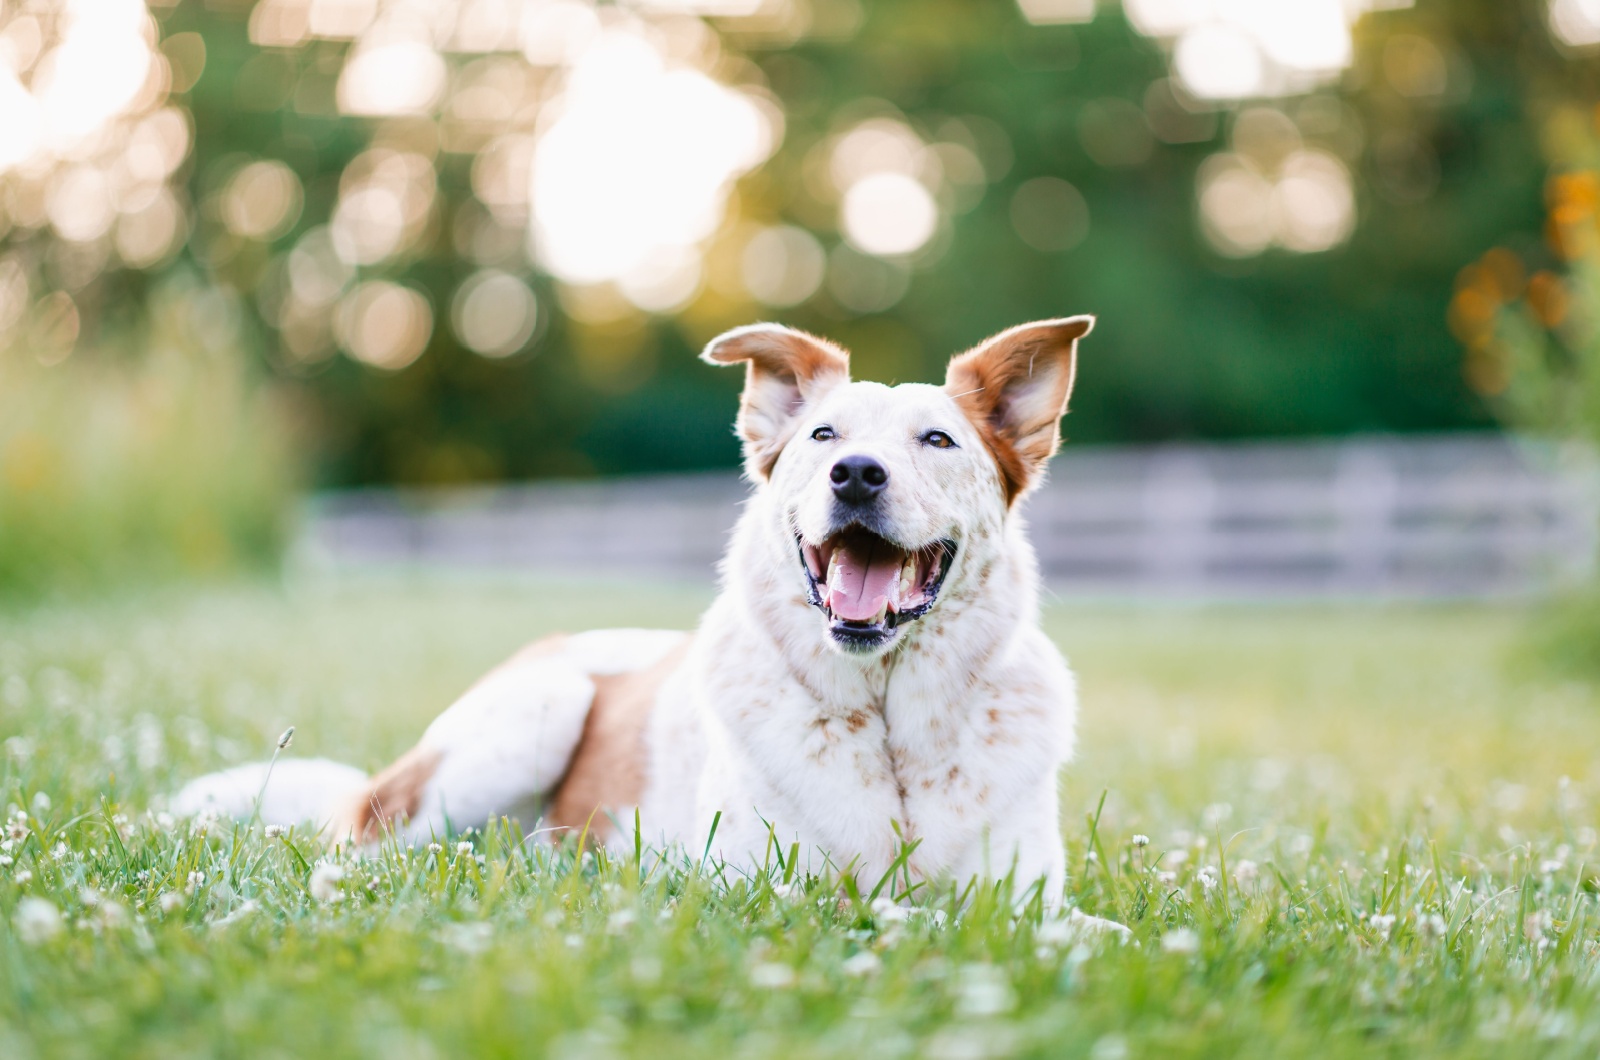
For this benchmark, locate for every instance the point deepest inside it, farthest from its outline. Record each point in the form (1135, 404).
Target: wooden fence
(1456, 516)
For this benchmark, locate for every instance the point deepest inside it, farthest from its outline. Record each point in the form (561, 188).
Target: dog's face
(888, 492)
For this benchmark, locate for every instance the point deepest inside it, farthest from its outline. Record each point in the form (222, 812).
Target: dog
(871, 686)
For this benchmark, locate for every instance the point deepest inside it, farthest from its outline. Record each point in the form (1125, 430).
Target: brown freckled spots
(856, 721)
(994, 715)
(955, 771)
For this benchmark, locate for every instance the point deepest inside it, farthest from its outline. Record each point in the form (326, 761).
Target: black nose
(858, 479)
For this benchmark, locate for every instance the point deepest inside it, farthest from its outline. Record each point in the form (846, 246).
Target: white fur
(953, 732)
(300, 790)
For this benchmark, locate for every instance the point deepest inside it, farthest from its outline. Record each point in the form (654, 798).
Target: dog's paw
(1077, 925)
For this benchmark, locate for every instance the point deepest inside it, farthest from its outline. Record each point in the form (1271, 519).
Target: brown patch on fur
(608, 768)
(544, 647)
(991, 382)
(394, 794)
(855, 721)
(784, 369)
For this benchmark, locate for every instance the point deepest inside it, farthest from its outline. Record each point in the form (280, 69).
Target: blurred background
(372, 250)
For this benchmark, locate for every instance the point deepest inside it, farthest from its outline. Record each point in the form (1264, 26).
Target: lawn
(1368, 831)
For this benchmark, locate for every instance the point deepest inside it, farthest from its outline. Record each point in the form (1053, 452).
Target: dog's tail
(299, 791)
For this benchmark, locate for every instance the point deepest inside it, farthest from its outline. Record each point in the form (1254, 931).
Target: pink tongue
(867, 575)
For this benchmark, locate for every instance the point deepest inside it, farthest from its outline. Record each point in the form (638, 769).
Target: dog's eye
(939, 440)
(823, 434)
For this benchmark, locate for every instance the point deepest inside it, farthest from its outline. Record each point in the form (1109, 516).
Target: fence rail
(1478, 515)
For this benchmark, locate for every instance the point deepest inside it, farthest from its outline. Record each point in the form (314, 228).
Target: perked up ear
(1014, 389)
(785, 371)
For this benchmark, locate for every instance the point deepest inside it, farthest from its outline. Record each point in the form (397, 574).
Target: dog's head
(889, 493)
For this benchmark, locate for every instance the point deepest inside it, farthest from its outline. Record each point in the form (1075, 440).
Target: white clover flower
(41, 803)
(1180, 940)
(435, 848)
(1383, 924)
(1141, 840)
(1550, 866)
(245, 908)
(888, 911)
(1245, 872)
(1207, 877)
(473, 937)
(6, 861)
(23, 876)
(463, 849)
(169, 901)
(194, 881)
(37, 920)
(783, 890)
(274, 831)
(1167, 878)
(165, 821)
(621, 921)
(984, 991)
(861, 964)
(771, 976)
(60, 850)
(1432, 926)
(325, 877)
(1056, 932)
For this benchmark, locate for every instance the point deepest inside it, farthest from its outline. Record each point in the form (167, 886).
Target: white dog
(872, 675)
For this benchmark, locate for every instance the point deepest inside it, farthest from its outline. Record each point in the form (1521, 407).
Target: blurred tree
(484, 239)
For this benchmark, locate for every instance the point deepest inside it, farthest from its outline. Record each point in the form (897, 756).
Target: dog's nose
(858, 479)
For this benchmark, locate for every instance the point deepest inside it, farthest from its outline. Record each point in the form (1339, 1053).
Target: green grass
(1350, 764)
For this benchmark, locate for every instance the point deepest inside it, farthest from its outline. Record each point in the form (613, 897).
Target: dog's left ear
(785, 371)
(1014, 389)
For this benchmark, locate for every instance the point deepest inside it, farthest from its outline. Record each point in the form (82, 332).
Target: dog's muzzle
(868, 586)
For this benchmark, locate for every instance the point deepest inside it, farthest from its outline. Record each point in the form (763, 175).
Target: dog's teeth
(883, 612)
(834, 573)
(908, 580)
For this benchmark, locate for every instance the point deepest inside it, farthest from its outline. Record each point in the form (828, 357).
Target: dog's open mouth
(869, 585)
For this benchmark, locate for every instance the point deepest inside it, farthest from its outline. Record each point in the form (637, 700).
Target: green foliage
(1191, 343)
(119, 465)
(1533, 343)
(1349, 764)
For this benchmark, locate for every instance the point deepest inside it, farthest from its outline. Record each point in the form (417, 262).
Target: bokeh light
(1235, 206)
(385, 198)
(888, 214)
(632, 171)
(783, 265)
(1057, 12)
(262, 200)
(384, 324)
(1241, 49)
(1576, 23)
(494, 313)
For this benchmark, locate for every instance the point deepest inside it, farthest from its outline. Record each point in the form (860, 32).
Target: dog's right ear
(785, 370)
